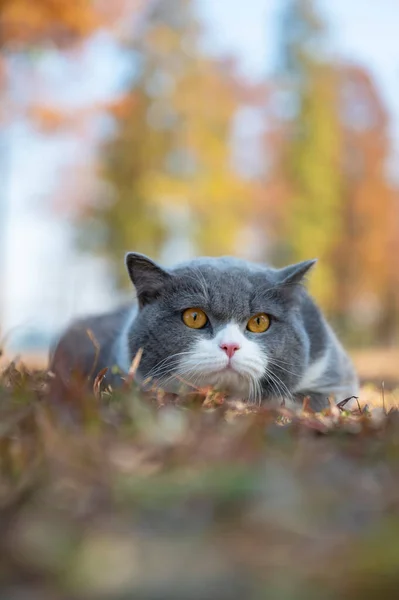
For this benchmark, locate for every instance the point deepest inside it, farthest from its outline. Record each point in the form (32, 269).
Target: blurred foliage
(331, 150)
(32, 28)
(310, 148)
(171, 149)
(124, 496)
(25, 24)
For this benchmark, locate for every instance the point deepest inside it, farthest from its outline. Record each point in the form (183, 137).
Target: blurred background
(267, 129)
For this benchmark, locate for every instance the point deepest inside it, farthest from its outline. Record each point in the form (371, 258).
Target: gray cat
(249, 330)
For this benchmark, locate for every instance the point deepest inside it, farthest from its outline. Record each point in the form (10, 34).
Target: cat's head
(219, 322)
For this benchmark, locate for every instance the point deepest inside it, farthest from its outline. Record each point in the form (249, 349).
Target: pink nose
(230, 349)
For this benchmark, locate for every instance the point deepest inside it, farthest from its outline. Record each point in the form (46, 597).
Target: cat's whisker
(161, 372)
(254, 392)
(292, 363)
(173, 377)
(166, 370)
(280, 359)
(164, 364)
(281, 386)
(195, 276)
(274, 387)
(273, 363)
(167, 363)
(251, 394)
(286, 367)
(273, 383)
(258, 391)
(195, 378)
(172, 356)
(285, 393)
(284, 387)
(202, 282)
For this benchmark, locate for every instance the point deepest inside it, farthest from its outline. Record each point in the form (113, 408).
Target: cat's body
(297, 355)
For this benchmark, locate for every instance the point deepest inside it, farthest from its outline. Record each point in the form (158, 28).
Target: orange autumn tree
(25, 24)
(367, 262)
(328, 191)
(28, 25)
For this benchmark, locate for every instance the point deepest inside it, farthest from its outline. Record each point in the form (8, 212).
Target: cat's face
(219, 322)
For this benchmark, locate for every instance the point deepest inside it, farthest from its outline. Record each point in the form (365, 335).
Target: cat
(249, 330)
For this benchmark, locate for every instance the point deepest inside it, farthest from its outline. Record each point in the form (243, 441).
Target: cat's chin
(230, 381)
(227, 380)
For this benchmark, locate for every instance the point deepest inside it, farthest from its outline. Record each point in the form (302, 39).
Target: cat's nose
(230, 349)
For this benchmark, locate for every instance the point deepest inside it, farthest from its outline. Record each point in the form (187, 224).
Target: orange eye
(195, 318)
(259, 323)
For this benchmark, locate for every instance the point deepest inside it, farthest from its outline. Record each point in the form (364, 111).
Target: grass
(124, 496)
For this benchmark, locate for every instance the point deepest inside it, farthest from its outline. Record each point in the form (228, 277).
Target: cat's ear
(295, 274)
(147, 277)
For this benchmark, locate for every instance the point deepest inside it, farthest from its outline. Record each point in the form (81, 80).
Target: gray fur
(305, 357)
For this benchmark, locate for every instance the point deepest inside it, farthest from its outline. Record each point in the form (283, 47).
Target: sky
(362, 32)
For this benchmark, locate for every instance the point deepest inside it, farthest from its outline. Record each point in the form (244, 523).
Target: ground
(121, 496)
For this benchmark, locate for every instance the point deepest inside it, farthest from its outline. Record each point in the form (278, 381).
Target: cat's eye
(195, 318)
(259, 323)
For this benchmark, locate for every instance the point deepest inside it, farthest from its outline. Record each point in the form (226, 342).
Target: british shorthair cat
(246, 329)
